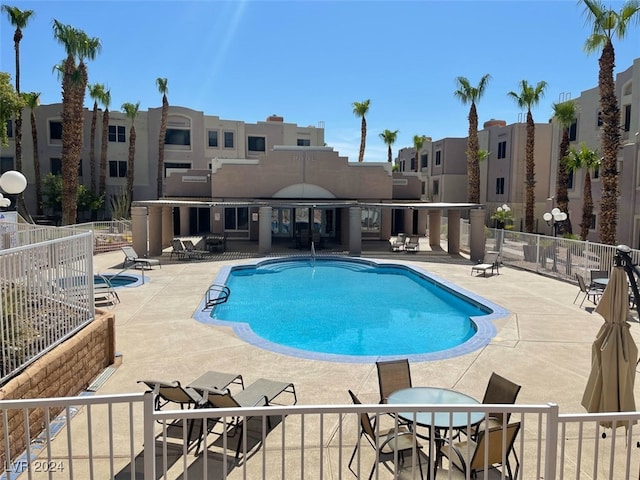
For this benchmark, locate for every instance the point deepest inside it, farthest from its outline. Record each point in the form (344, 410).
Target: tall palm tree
(131, 110)
(607, 23)
(104, 143)
(360, 109)
(96, 92)
(78, 47)
(565, 115)
(528, 97)
(468, 94)
(589, 160)
(32, 100)
(161, 83)
(18, 19)
(389, 138)
(418, 143)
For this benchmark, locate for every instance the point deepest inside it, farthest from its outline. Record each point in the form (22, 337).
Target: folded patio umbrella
(614, 353)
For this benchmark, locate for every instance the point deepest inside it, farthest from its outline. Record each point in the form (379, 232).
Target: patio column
(155, 231)
(264, 229)
(476, 234)
(422, 222)
(453, 231)
(355, 230)
(434, 229)
(408, 221)
(167, 226)
(184, 221)
(139, 229)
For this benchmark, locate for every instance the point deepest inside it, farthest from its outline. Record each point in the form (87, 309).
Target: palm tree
(389, 138)
(32, 100)
(18, 19)
(360, 109)
(528, 97)
(96, 91)
(161, 83)
(607, 23)
(104, 143)
(468, 94)
(78, 47)
(589, 160)
(131, 110)
(10, 103)
(418, 142)
(565, 115)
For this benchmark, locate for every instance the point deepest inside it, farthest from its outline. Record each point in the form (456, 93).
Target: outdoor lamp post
(554, 219)
(11, 183)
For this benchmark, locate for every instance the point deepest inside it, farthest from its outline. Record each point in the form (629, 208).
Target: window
(117, 133)
(304, 142)
(500, 186)
(228, 139)
(177, 136)
(595, 174)
(56, 166)
(592, 222)
(502, 149)
(424, 160)
(573, 131)
(627, 118)
(436, 187)
(6, 164)
(599, 119)
(438, 153)
(236, 218)
(371, 219)
(9, 128)
(213, 138)
(413, 164)
(175, 166)
(117, 168)
(570, 180)
(257, 144)
(55, 130)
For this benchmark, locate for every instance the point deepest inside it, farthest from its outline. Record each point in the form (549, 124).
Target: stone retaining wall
(65, 371)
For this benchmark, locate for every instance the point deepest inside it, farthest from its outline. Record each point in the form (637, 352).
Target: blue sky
(308, 61)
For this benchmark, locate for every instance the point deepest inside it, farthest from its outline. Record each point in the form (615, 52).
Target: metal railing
(46, 281)
(121, 436)
(109, 235)
(557, 257)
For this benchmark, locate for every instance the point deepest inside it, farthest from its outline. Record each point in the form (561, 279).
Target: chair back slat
(500, 390)
(494, 437)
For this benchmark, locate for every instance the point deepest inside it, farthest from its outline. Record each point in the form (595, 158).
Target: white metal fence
(122, 437)
(46, 281)
(553, 256)
(108, 236)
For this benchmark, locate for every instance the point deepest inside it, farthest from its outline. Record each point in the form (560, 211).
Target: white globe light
(4, 202)
(13, 182)
(505, 207)
(562, 216)
(555, 211)
(499, 209)
(547, 217)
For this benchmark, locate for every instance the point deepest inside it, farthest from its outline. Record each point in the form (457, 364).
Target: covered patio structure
(346, 222)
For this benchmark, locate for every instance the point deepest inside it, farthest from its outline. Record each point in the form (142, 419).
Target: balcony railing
(121, 436)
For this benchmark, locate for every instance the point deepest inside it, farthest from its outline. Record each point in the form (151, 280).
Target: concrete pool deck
(544, 344)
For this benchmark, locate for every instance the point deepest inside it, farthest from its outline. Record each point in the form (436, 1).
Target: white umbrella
(614, 353)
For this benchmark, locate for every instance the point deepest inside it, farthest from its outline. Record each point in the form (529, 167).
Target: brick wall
(63, 372)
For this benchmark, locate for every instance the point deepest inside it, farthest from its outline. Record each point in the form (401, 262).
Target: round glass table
(436, 396)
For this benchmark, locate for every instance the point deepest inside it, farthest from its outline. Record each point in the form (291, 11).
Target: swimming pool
(118, 280)
(345, 309)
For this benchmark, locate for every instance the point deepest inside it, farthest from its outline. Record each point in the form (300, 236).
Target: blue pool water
(350, 308)
(118, 280)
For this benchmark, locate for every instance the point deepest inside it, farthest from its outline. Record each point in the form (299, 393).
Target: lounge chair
(413, 244)
(131, 258)
(191, 249)
(472, 456)
(262, 392)
(172, 393)
(388, 443)
(398, 244)
(178, 250)
(393, 375)
(593, 294)
(491, 262)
